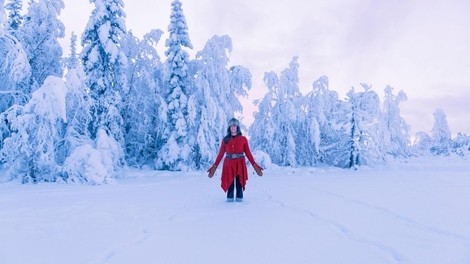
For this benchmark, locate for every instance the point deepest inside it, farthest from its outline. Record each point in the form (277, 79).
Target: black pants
(236, 182)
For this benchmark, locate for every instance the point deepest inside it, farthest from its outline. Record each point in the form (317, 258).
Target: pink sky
(421, 47)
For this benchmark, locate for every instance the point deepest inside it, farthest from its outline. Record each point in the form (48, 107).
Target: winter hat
(233, 121)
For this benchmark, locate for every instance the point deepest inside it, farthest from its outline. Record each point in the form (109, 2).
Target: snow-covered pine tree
(72, 60)
(335, 138)
(291, 115)
(262, 129)
(215, 98)
(14, 15)
(14, 70)
(320, 130)
(2, 17)
(78, 108)
(31, 153)
(84, 160)
(441, 136)
(39, 35)
(394, 132)
(365, 111)
(145, 108)
(105, 65)
(461, 144)
(175, 153)
(286, 115)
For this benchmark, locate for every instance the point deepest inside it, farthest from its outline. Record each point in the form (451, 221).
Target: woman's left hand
(258, 170)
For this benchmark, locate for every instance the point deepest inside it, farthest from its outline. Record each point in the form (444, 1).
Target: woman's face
(233, 129)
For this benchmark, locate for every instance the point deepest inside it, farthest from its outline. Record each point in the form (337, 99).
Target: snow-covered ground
(414, 212)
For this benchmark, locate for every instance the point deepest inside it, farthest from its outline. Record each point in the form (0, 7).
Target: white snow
(410, 212)
(49, 99)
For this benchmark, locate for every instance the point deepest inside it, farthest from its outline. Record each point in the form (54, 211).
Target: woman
(234, 171)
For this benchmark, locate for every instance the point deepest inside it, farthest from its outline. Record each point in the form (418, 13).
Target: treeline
(82, 117)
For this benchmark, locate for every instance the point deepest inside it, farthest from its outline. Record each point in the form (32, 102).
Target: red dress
(234, 167)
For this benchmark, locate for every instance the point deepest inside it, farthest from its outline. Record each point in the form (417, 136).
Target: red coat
(234, 167)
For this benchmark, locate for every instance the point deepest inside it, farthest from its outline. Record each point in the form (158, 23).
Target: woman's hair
(232, 122)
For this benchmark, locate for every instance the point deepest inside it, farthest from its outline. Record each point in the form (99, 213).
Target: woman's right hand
(211, 171)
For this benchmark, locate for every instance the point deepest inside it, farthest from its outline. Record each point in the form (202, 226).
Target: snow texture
(413, 212)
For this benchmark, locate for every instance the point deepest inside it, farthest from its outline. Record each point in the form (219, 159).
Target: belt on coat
(234, 155)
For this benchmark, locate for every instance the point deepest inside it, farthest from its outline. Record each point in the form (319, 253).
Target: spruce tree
(14, 15)
(105, 67)
(72, 61)
(14, 70)
(176, 149)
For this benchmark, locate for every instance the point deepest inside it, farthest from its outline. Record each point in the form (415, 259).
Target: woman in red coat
(234, 171)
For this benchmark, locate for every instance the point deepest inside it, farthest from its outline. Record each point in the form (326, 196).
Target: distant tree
(176, 149)
(40, 35)
(394, 132)
(14, 15)
(461, 144)
(422, 143)
(72, 61)
(441, 136)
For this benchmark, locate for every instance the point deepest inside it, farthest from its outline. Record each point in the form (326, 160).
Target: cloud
(418, 111)
(421, 47)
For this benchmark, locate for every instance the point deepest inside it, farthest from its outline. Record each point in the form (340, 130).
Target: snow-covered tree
(394, 131)
(263, 127)
(461, 144)
(440, 133)
(78, 106)
(422, 143)
(335, 134)
(14, 68)
(86, 160)
(321, 131)
(32, 152)
(215, 98)
(286, 115)
(2, 17)
(14, 15)
(365, 111)
(176, 150)
(39, 35)
(240, 84)
(145, 108)
(72, 60)
(105, 64)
